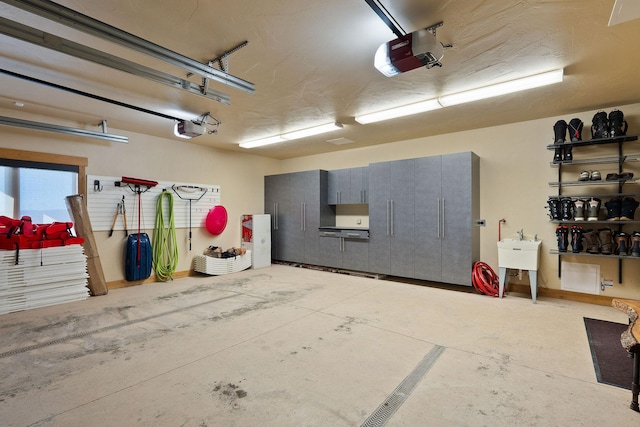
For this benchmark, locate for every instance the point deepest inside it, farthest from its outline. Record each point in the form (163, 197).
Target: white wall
(514, 175)
(239, 175)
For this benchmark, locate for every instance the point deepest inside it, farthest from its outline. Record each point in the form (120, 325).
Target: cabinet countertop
(333, 228)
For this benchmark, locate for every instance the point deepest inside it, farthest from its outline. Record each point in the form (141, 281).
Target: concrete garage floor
(286, 346)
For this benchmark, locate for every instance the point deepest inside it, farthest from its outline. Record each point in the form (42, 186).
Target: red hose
(485, 280)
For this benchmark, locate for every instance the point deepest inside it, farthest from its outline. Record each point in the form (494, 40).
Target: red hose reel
(485, 280)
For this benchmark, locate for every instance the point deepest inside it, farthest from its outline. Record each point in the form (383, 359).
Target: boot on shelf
(554, 208)
(579, 213)
(562, 233)
(613, 209)
(617, 124)
(591, 241)
(593, 209)
(605, 235)
(559, 138)
(576, 239)
(628, 208)
(575, 130)
(622, 243)
(600, 125)
(635, 243)
(567, 208)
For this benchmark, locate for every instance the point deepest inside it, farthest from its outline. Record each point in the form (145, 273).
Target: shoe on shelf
(595, 176)
(585, 176)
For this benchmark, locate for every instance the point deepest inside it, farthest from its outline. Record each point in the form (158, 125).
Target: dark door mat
(611, 361)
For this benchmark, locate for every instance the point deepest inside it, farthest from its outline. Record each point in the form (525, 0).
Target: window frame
(49, 158)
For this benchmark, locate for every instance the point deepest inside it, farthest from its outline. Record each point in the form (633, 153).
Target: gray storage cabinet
(421, 217)
(392, 217)
(447, 205)
(297, 203)
(347, 249)
(347, 186)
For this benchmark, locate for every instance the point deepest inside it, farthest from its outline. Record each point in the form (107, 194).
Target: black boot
(613, 209)
(635, 243)
(567, 208)
(622, 243)
(628, 208)
(559, 138)
(575, 130)
(600, 126)
(617, 124)
(554, 208)
(576, 239)
(562, 232)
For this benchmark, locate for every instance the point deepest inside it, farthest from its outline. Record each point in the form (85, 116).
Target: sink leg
(503, 277)
(533, 282)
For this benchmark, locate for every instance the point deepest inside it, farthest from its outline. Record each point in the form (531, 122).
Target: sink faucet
(521, 234)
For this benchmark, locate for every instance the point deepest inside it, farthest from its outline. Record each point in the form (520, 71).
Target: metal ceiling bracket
(432, 30)
(224, 67)
(50, 41)
(76, 20)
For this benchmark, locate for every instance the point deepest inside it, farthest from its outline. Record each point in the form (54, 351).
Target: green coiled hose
(165, 244)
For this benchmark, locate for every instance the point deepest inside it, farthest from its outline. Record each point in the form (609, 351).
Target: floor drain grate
(383, 413)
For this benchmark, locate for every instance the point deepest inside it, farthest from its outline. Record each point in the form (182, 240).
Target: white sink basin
(519, 254)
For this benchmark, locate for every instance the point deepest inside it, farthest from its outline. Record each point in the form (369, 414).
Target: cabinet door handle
(438, 224)
(388, 215)
(392, 219)
(304, 215)
(443, 214)
(275, 220)
(301, 216)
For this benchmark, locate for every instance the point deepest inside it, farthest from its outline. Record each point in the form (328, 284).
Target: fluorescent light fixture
(316, 130)
(47, 127)
(512, 86)
(262, 142)
(405, 110)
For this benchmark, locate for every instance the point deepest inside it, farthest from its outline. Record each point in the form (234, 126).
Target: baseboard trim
(564, 295)
(521, 289)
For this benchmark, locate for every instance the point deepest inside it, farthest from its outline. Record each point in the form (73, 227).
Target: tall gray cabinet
(297, 204)
(391, 217)
(421, 217)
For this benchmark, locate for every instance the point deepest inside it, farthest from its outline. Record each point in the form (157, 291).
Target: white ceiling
(312, 63)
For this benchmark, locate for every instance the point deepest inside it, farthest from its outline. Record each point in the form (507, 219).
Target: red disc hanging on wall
(216, 220)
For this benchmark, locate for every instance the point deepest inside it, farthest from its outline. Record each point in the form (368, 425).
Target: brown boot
(605, 236)
(591, 241)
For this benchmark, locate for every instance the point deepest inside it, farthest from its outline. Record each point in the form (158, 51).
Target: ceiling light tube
(262, 142)
(405, 110)
(46, 127)
(316, 130)
(512, 86)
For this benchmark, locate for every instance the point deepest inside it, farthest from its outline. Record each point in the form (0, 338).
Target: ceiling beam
(59, 44)
(63, 15)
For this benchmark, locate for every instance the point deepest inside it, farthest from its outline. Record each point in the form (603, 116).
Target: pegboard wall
(103, 199)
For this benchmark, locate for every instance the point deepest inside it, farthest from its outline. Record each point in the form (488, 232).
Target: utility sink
(520, 255)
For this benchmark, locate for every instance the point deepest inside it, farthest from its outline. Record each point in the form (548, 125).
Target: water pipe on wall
(500, 222)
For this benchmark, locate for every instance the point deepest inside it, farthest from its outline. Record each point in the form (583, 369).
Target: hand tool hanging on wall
(189, 189)
(138, 256)
(120, 210)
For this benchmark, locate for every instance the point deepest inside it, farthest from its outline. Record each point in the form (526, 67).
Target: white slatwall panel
(102, 204)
